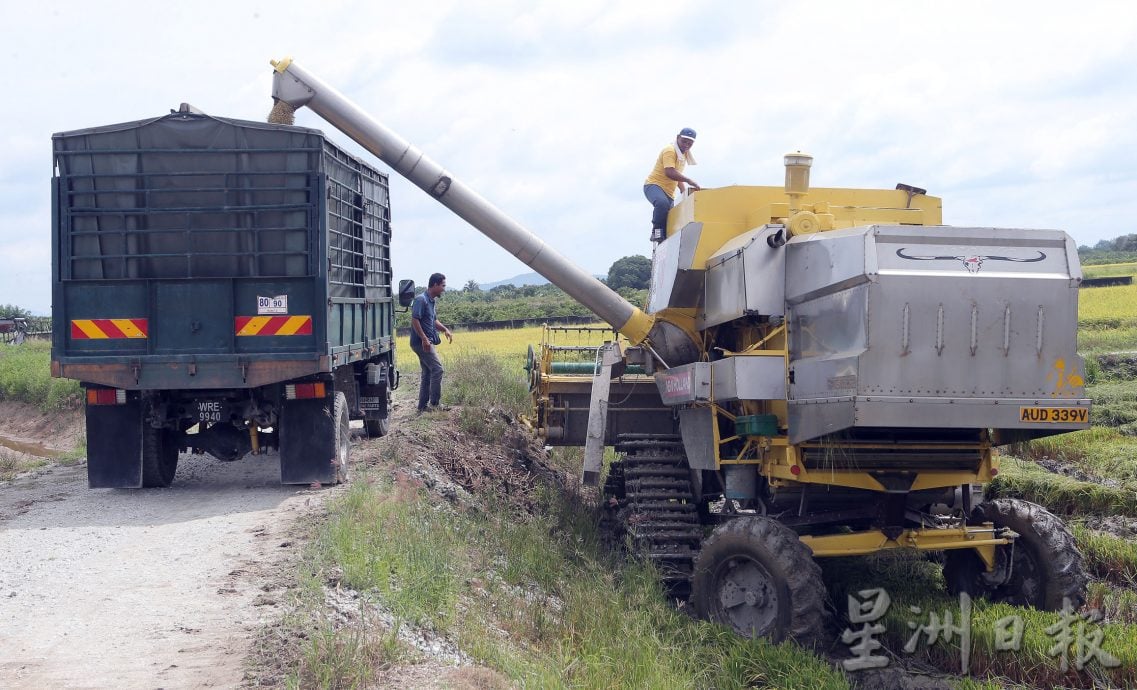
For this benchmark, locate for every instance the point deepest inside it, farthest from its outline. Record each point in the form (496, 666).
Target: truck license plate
(1073, 415)
(209, 411)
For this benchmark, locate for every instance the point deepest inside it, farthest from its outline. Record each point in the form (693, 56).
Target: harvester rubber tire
(1046, 570)
(755, 576)
(343, 437)
(377, 428)
(159, 457)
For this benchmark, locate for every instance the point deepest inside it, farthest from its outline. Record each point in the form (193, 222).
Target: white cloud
(1018, 114)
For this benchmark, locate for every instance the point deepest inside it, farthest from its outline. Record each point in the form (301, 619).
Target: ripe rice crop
(1109, 270)
(511, 344)
(1113, 307)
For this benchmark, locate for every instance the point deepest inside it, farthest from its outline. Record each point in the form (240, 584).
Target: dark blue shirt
(423, 309)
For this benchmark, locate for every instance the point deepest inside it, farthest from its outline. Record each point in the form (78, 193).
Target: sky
(1017, 114)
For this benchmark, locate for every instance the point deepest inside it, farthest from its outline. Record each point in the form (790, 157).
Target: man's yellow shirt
(667, 159)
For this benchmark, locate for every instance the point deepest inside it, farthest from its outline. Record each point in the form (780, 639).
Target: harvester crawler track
(657, 510)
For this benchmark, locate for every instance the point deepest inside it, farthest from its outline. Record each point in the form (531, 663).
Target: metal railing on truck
(173, 230)
(172, 224)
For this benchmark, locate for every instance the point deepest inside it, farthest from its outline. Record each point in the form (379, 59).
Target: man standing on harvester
(424, 339)
(666, 177)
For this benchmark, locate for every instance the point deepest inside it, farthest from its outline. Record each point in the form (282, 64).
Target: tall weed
(483, 380)
(535, 595)
(25, 376)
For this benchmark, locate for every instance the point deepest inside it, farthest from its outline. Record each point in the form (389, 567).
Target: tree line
(1119, 250)
(628, 276)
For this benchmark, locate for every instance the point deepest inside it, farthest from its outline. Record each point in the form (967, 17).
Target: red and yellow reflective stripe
(105, 329)
(274, 325)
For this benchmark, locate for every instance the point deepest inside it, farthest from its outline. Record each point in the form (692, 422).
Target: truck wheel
(755, 576)
(159, 457)
(1046, 567)
(343, 437)
(377, 427)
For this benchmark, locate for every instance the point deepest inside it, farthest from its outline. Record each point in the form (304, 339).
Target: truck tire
(756, 577)
(159, 457)
(343, 437)
(1046, 566)
(377, 427)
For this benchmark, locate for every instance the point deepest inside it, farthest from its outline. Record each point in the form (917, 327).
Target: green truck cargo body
(202, 252)
(224, 287)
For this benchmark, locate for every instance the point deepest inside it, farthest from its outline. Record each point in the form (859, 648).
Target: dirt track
(131, 589)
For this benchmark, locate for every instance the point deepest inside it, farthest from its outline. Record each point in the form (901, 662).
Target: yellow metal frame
(727, 212)
(781, 463)
(982, 538)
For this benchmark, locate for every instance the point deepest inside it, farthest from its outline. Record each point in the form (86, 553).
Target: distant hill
(522, 280)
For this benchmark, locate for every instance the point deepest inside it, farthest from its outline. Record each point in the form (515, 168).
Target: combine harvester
(819, 372)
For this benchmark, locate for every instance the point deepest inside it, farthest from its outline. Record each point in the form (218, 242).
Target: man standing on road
(425, 340)
(666, 177)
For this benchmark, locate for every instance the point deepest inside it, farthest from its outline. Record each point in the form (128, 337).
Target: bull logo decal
(972, 262)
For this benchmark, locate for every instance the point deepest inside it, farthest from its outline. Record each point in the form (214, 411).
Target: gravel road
(143, 589)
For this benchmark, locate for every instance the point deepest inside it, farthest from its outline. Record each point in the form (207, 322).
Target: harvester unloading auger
(819, 372)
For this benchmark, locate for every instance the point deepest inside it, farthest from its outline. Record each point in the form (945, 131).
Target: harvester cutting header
(818, 372)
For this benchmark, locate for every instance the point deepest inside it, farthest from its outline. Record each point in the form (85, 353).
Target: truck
(221, 286)
(13, 329)
(818, 372)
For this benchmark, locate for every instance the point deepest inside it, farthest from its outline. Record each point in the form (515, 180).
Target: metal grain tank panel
(895, 326)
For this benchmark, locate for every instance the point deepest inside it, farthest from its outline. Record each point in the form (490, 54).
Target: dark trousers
(430, 386)
(662, 204)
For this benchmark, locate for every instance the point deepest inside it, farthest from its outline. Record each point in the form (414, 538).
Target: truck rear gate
(196, 253)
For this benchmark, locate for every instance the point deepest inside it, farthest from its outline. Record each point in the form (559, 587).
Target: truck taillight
(297, 391)
(106, 396)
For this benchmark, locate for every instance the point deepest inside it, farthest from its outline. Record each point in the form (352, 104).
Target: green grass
(532, 593)
(333, 658)
(1060, 494)
(75, 455)
(485, 380)
(573, 614)
(388, 544)
(13, 463)
(1096, 341)
(1114, 368)
(1107, 557)
(1115, 405)
(491, 392)
(25, 376)
(913, 581)
(1117, 604)
(310, 647)
(1101, 451)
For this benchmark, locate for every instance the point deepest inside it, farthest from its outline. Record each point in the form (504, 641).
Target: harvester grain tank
(220, 286)
(819, 372)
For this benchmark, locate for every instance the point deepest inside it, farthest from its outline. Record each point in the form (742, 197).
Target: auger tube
(297, 87)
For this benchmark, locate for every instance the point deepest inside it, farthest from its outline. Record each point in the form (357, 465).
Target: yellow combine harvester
(819, 372)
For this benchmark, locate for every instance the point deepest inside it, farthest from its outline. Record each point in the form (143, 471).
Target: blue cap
(687, 132)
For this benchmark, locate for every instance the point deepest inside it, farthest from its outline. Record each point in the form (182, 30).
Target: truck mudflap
(308, 441)
(114, 445)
